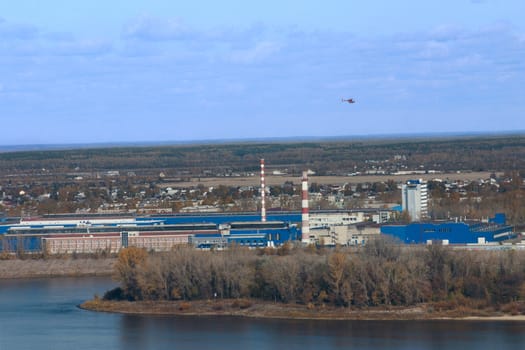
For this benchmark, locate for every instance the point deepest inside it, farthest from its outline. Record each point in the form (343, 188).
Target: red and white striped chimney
(263, 193)
(305, 226)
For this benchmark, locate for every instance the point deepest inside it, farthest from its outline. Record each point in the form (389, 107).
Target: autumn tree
(339, 279)
(127, 271)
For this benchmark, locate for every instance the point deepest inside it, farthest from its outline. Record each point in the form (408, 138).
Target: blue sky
(132, 71)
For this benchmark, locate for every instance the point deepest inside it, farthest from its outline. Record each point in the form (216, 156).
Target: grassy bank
(56, 267)
(264, 309)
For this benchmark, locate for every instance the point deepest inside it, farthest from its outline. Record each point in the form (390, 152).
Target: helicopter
(349, 100)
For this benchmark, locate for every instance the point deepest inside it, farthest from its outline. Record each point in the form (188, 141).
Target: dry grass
(18, 268)
(242, 304)
(263, 309)
(515, 308)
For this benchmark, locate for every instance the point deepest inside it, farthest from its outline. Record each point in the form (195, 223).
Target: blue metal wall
(255, 238)
(454, 232)
(278, 236)
(21, 243)
(499, 219)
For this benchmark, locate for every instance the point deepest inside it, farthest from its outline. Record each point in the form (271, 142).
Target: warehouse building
(452, 232)
(247, 234)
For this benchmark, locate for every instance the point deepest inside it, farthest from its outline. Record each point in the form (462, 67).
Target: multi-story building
(415, 199)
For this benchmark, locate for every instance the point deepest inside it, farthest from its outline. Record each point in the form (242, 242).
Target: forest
(379, 274)
(326, 157)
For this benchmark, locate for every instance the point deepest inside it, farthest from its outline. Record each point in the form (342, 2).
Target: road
(333, 180)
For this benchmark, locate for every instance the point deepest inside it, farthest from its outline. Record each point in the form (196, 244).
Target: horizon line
(144, 143)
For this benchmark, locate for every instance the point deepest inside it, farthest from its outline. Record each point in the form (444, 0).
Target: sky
(161, 70)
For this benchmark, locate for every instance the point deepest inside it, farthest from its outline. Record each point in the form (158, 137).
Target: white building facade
(415, 199)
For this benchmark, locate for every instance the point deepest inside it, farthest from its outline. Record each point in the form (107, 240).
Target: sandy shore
(31, 268)
(261, 309)
(496, 318)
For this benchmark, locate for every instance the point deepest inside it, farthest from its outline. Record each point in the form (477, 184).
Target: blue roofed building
(464, 232)
(248, 234)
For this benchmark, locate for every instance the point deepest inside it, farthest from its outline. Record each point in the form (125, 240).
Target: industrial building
(248, 234)
(327, 219)
(452, 232)
(92, 238)
(59, 236)
(347, 235)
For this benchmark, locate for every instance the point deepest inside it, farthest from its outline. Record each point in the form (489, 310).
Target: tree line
(325, 157)
(378, 274)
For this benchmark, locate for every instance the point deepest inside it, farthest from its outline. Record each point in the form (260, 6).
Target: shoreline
(56, 267)
(269, 310)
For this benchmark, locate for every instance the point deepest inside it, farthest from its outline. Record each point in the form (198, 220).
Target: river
(43, 314)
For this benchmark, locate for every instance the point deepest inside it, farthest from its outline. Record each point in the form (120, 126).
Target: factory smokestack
(305, 226)
(263, 193)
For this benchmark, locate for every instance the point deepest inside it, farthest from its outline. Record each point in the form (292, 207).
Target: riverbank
(262, 309)
(56, 267)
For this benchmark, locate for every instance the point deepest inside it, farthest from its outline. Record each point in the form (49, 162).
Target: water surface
(43, 314)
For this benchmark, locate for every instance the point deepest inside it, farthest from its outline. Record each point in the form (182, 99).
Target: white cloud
(255, 54)
(434, 50)
(82, 47)
(156, 29)
(447, 32)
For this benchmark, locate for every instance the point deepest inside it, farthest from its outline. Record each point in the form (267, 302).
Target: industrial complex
(91, 233)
